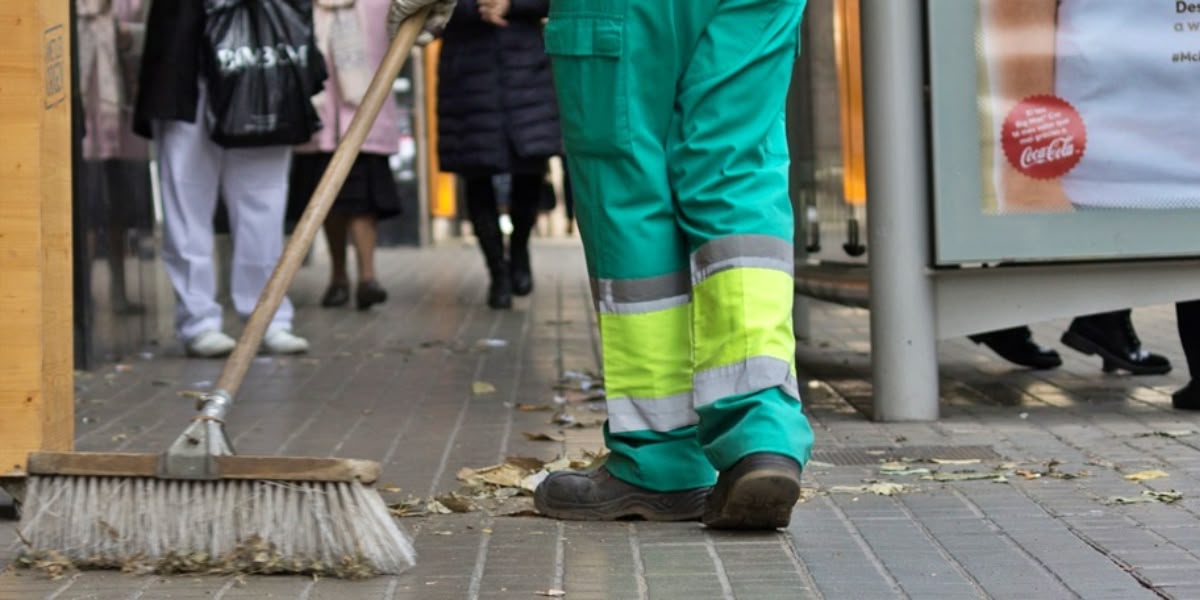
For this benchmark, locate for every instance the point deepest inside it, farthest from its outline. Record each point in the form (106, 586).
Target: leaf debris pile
(253, 556)
(495, 488)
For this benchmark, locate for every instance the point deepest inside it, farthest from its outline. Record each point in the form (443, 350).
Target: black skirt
(369, 189)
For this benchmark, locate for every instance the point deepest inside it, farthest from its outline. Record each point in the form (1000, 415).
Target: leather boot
(526, 191)
(599, 496)
(1016, 345)
(1187, 397)
(485, 220)
(1111, 335)
(758, 492)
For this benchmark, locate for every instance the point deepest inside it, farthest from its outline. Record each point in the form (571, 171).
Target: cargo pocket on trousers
(587, 53)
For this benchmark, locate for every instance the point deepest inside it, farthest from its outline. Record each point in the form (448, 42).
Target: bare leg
(363, 234)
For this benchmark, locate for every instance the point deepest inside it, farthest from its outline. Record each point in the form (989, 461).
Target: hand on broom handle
(318, 207)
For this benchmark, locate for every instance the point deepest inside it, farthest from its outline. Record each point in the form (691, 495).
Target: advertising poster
(1090, 104)
(1065, 129)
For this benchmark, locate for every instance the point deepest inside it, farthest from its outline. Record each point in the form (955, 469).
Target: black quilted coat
(496, 107)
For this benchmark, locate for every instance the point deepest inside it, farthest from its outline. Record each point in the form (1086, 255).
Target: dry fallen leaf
(535, 407)
(1147, 475)
(878, 488)
(966, 476)
(896, 469)
(482, 387)
(437, 508)
(1169, 497)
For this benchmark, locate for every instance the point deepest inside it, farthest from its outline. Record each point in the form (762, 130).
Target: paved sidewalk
(1023, 503)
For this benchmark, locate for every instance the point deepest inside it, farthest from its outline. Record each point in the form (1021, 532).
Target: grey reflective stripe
(636, 296)
(750, 375)
(667, 413)
(745, 251)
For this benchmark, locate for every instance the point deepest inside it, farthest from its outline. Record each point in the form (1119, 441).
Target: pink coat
(384, 137)
(108, 77)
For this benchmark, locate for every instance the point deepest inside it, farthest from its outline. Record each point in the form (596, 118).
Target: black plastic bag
(262, 68)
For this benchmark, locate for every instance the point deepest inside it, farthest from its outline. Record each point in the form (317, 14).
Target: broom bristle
(341, 529)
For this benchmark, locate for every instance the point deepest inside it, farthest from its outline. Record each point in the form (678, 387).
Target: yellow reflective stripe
(647, 294)
(751, 375)
(647, 355)
(667, 413)
(741, 314)
(744, 251)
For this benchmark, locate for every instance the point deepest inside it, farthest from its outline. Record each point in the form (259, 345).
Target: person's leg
(363, 234)
(189, 169)
(1112, 336)
(336, 228)
(610, 61)
(254, 182)
(485, 221)
(729, 168)
(523, 209)
(1187, 316)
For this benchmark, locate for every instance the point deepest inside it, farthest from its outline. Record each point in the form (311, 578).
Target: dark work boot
(1111, 335)
(758, 492)
(598, 496)
(1016, 345)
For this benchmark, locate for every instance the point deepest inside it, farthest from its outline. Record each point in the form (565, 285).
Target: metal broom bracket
(191, 455)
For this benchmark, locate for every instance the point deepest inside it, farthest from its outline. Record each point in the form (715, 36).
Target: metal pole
(903, 337)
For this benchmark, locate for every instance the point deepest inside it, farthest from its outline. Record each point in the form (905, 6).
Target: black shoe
(598, 496)
(336, 295)
(370, 293)
(522, 274)
(1187, 397)
(1016, 345)
(500, 290)
(522, 283)
(1113, 338)
(758, 492)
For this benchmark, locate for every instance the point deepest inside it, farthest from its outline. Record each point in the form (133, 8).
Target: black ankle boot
(500, 290)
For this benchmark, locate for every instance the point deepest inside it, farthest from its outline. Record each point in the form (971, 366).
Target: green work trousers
(673, 119)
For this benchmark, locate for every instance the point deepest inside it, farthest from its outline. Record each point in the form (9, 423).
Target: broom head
(264, 514)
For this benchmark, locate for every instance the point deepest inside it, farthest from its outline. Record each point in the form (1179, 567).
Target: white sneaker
(210, 344)
(283, 341)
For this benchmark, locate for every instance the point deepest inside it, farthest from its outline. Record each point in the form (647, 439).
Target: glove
(438, 16)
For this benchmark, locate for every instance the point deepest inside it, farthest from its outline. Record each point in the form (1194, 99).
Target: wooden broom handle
(380, 91)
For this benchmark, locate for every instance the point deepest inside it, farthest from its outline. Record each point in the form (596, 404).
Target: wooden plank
(275, 468)
(36, 391)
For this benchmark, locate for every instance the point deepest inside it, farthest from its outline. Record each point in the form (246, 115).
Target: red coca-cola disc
(1043, 137)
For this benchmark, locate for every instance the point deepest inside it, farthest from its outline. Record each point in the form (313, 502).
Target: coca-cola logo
(1043, 137)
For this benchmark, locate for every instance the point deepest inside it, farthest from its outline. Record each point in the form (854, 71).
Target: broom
(198, 507)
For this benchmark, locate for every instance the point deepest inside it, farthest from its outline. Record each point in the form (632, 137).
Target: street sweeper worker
(673, 120)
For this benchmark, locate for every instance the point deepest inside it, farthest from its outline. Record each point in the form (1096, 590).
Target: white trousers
(253, 182)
